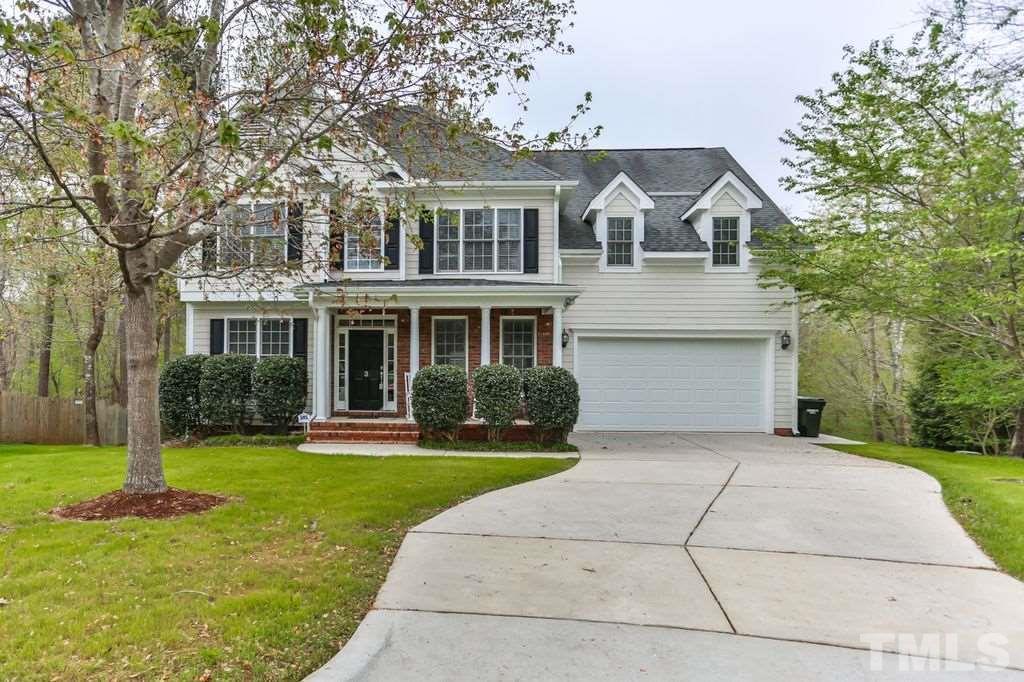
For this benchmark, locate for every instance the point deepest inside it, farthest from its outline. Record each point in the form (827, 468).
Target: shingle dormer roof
(685, 172)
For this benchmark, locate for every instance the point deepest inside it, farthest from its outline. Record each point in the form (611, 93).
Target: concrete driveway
(696, 556)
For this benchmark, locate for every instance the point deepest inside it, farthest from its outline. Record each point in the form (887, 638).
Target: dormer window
(725, 241)
(620, 242)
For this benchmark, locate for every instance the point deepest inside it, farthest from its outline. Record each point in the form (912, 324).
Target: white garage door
(672, 384)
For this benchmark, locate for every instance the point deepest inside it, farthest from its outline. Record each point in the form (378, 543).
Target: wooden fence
(28, 419)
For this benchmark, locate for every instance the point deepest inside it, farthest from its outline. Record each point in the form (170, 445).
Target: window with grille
(275, 337)
(242, 337)
(253, 234)
(620, 241)
(725, 241)
(490, 240)
(362, 248)
(447, 239)
(518, 342)
(450, 341)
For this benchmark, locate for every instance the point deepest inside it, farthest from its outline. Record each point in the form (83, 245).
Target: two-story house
(631, 268)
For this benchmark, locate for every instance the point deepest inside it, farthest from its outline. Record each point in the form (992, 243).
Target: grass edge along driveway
(266, 587)
(985, 494)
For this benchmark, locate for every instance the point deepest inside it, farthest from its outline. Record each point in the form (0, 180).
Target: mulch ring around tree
(118, 504)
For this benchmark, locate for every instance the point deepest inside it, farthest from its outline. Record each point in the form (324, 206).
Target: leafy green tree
(918, 164)
(147, 119)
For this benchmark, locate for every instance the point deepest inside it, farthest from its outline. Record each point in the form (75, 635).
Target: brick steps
(338, 431)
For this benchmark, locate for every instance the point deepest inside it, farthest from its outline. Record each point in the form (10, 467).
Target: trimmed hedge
(179, 395)
(439, 399)
(552, 401)
(497, 392)
(226, 388)
(279, 388)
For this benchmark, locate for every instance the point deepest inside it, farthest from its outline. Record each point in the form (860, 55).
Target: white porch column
(322, 364)
(556, 336)
(414, 340)
(485, 335)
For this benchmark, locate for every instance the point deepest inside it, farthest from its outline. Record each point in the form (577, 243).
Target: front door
(366, 369)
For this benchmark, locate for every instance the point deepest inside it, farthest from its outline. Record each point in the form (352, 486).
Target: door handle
(366, 374)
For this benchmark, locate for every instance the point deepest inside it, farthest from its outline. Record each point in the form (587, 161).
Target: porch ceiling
(441, 292)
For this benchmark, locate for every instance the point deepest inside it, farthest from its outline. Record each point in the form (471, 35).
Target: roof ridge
(625, 149)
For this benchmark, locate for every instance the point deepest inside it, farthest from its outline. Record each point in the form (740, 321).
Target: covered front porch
(370, 338)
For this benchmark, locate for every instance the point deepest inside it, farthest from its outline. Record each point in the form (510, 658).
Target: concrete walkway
(697, 556)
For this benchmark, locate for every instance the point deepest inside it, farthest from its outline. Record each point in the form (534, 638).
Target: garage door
(672, 384)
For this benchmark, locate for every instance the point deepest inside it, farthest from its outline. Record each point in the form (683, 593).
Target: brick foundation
(784, 432)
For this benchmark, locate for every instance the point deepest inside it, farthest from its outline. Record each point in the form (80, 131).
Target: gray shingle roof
(419, 142)
(690, 170)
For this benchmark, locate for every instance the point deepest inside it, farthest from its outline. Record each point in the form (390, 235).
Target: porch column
(414, 340)
(556, 336)
(485, 335)
(322, 364)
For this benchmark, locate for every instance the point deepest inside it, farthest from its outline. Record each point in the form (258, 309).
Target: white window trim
(739, 243)
(380, 260)
(341, 404)
(633, 247)
(259, 333)
(494, 241)
(433, 336)
(501, 337)
(248, 204)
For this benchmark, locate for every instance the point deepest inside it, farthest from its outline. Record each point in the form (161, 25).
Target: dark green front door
(365, 369)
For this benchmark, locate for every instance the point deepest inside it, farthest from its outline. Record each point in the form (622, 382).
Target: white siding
(206, 312)
(727, 205)
(682, 298)
(620, 206)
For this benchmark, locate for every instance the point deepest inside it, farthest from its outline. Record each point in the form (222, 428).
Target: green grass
(265, 587)
(499, 446)
(990, 509)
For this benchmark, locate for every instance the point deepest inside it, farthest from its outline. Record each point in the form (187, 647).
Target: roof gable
(634, 194)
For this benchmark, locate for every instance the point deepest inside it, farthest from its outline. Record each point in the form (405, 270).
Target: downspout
(556, 265)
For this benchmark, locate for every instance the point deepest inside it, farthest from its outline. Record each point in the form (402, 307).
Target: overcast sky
(684, 73)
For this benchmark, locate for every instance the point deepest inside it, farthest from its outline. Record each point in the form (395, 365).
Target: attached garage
(673, 384)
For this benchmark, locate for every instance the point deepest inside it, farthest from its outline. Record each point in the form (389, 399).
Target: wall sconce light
(785, 340)
(565, 338)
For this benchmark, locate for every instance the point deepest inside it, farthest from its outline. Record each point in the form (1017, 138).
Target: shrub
(258, 440)
(225, 389)
(497, 392)
(279, 388)
(439, 399)
(179, 395)
(552, 401)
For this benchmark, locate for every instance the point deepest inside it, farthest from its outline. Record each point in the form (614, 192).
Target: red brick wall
(544, 326)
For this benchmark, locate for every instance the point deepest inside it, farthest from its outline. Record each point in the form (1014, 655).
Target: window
(242, 337)
(254, 234)
(478, 246)
(518, 342)
(620, 241)
(362, 248)
(725, 241)
(275, 337)
(259, 337)
(450, 341)
(478, 252)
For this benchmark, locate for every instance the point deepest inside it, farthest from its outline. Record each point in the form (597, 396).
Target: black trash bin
(809, 415)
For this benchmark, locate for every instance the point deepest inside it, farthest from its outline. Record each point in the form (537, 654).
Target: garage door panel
(672, 384)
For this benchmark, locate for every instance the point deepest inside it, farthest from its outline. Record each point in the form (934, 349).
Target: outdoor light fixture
(785, 340)
(565, 338)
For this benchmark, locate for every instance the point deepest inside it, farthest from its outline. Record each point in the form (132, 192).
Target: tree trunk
(167, 338)
(145, 464)
(119, 368)
(92, 343)
(43, 382)
(876, 380)
(1017, 445)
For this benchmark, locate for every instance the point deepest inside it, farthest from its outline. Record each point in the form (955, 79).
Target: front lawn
(265, 587)
(985, 494)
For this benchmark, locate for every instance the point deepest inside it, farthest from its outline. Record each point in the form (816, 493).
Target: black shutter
(337, 243)
(217, 336)
(300, 327)
(295, 232)
(392, 243)
(427, 235)
(210, 253)
(531, 240)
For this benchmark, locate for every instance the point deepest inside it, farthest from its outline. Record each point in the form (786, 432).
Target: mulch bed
(118, 504)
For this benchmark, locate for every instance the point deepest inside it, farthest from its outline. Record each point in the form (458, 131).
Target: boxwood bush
(226, 388)
(497, 393)
(279, 389)
(179, 395)
(552, 401)
(439, 400)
